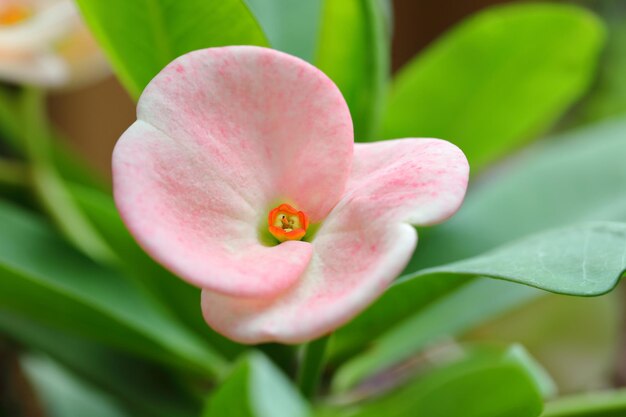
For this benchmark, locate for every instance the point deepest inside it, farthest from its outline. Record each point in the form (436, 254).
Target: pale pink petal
(362, 246)
(272, 114)
(417, 181)
(223, 135)
(196, 222)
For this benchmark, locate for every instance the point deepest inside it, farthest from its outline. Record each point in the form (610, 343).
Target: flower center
(287, 223)
(12, 14)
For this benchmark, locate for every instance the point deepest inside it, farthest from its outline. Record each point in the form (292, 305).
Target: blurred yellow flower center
(12, 14)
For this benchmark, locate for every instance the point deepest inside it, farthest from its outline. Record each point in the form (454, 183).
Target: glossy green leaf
(583, 260)
(353, 50)
(483, 384)
(42, 278)
(140, 37)
(142, 387)
(256, 388)
(497, 79)
(291, 26)
(601, 404)
(580, 260)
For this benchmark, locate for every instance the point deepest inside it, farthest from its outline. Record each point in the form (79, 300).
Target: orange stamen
(287, 223)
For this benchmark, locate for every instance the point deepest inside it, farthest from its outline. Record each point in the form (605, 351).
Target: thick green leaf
(353, 51)
(44, 279)
(483, 384)
(581, 260)
(585, 260)
(140, 37)
(601, 404)
(144, 388)
(291, 26)
(497, 79)
(256, 388)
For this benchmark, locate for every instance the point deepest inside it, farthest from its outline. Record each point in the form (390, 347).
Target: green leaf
(256, 388)
(390, 309)
(143, 36)
(42, 278)
(497, 79)
(291, 26)
(608, 96)
(47, 183)
(579, 176)
(587, 328)
(585, 260)
(581, 260)
(447, 315)
(492, 383)
(142, 387)
(601, 404)
(353, 50)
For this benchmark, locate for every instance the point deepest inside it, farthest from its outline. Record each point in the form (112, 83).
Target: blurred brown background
(79, 114)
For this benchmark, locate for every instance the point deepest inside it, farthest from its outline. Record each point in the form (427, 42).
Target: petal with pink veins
(222, 136)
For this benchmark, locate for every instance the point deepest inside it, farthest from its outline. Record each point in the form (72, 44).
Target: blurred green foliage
(141, 37)
(497, 79)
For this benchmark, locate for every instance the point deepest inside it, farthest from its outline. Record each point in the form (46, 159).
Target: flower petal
(362, 246)
(348, 271)
(280, 116)
(417, 181)
(196, 221)
(222, 134)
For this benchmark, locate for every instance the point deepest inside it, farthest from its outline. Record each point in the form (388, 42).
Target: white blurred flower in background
(44, 43)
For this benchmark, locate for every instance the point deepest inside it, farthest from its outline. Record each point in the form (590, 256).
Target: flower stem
(313, 356)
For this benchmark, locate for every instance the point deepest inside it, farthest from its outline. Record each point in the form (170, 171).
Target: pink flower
(233, 141)
(44, 43)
